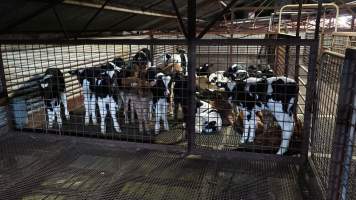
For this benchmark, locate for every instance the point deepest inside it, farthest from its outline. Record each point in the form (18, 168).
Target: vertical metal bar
(3, 93)
(191, 73)
(317, 22)
(286, 61)
(344, 113)
(311, 84)
(152, 51)
(297, 50)
(353, 23)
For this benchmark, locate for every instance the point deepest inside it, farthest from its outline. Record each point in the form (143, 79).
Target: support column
(190, 130)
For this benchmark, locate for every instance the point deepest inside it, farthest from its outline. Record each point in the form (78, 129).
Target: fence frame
(339, 155)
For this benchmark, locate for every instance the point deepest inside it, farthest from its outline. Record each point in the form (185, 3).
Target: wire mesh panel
(343, 159)
(105, 90)
(328, 82)
(237, 91)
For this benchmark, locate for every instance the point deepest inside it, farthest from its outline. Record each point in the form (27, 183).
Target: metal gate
(25, 62)
(332, 137)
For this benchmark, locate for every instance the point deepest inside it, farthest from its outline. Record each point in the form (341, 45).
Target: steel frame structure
(192, 41)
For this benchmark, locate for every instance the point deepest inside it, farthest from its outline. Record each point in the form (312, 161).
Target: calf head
(163, 81)
(79, 73)
(49, 88)
(142, 58)
(236, 72)
(116, 64)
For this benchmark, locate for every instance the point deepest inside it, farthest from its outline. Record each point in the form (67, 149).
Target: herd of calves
(147, 91)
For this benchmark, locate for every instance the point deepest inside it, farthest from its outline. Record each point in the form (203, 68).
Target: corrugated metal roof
(38, 16)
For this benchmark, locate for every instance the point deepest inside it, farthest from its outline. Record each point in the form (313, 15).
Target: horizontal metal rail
(233, 41)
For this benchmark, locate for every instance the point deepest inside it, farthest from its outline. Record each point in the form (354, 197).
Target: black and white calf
(217, 78)
(276, 94)
(105, 89)
(88, 79)
(53, 92)
(160, 84)
(180, 58)
(207, 119)
(236, 72)
(242, 71)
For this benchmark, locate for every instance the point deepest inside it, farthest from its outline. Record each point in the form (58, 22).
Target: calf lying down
(207, 119)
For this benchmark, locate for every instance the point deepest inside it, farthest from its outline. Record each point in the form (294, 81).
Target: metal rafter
(129, 17)
(60, 22)
(212, 22)
(93, 17)
(121, 8)
(179, 19)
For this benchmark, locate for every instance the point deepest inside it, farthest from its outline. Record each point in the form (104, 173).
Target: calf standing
(53, 91)
(86, 78)
(160, 84)
(104, 89)
(276, 94)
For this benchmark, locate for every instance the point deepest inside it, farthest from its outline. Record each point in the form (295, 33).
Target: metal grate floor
(38, 166)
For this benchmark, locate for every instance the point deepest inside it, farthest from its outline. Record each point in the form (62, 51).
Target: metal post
(297, 50)
(3, 92)
(343, 126)
(310, 93)
(286, 61)
(191, 73)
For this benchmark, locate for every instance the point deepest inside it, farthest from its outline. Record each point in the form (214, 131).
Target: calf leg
(92, 109)
(164, 105)
(65, 104)
(57, 112)
(145, 109)
(103, 112)
(126, 110)
(50, 115)
(253, 125)
(87, 110)
(138, 110)
(112, 108)
(246, 124)
(87, 100)
(132, 109)
(157, 118)
(286, 123)
(150, 106)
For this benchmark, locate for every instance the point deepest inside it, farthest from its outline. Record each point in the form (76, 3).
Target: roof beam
(93, 17)
(120, 8)
(179, 18)
(212, 22)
